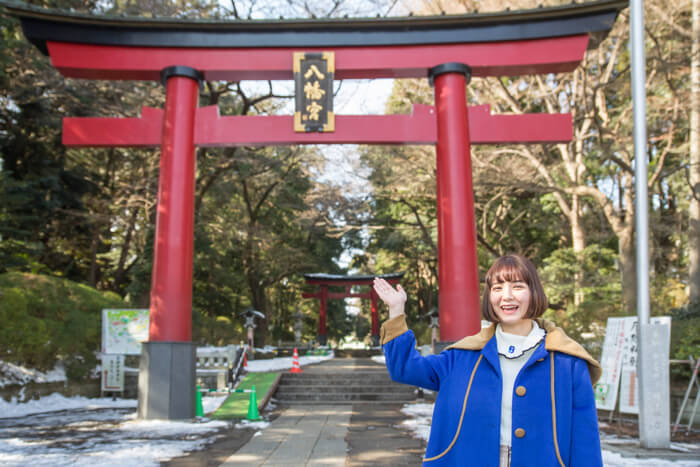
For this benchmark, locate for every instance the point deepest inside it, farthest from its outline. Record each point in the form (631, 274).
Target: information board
(112, 372)
(619, 362)
(123, 330)
(629, 384)
(611, 361)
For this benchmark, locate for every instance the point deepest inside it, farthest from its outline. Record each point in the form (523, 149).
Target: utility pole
(652, 364)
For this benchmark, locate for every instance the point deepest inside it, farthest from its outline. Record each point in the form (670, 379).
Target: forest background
(77, 225)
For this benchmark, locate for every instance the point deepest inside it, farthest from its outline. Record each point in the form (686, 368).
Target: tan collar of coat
(556, 340)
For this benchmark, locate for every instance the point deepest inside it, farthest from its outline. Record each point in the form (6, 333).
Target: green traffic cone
(253, 406)
(199, 411)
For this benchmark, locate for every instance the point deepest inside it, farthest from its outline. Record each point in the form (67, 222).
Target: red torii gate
(449, 49)
(334, 280)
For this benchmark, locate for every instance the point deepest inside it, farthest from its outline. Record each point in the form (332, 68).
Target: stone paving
(301, 436)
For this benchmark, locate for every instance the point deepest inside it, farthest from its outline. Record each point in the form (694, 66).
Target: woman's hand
(395, 299)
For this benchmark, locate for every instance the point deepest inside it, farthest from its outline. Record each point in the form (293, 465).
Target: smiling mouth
(509, 308)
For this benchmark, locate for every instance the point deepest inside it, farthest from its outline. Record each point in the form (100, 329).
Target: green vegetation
(46, 318)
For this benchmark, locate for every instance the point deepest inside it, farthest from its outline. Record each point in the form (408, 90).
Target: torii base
(167, 380)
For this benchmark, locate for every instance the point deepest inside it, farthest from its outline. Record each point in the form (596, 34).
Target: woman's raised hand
(394, 298)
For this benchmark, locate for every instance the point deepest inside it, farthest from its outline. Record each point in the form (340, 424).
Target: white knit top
(513, 353)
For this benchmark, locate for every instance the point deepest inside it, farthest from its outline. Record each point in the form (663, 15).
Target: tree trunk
(260, 304)
(628, 270)
(694, 165)
(578, 242)
(94, 245)
(120, 273)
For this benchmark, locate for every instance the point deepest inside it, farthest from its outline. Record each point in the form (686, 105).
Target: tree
(582, 192)
(694, 161)
(95, 225)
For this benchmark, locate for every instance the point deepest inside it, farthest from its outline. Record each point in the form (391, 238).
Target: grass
(236, 405)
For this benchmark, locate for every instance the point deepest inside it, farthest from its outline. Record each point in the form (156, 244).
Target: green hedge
(46, 318)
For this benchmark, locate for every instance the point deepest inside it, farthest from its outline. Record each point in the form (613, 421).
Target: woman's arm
(404, 362)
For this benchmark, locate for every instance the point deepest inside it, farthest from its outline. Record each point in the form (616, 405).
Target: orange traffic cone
(245, 361)
(295, 363)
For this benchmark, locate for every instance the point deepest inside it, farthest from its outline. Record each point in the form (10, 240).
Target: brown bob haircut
(511, 268)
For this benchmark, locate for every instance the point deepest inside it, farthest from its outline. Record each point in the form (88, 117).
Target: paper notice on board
(629, 385)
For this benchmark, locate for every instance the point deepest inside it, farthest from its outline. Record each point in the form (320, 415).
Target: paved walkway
(357, 435)
(300, 436)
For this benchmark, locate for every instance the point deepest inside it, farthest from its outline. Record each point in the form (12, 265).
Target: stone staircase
(342, 381)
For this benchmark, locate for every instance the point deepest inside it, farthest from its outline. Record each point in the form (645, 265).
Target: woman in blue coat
(518, 394)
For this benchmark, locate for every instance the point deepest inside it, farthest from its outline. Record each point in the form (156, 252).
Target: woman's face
(510, 301)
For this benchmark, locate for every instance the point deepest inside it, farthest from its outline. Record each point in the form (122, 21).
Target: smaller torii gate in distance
(334, 280)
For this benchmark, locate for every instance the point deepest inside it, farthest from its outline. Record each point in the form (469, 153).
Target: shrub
(47, 318)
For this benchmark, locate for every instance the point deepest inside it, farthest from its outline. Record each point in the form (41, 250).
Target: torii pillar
(458, 269)
(168, 359)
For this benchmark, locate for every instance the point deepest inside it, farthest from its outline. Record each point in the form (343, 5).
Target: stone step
(333, 398)
(342, 381)
(339, 390)
(347, 402)
(315, 372)
(338, 382)
(340, 378)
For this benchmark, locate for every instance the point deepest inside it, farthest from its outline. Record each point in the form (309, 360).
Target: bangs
(507, 271)
(506, 274)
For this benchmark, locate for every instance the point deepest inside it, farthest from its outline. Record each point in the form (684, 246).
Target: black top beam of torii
(40, 25)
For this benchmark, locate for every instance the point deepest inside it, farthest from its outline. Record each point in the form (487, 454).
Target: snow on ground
(78, 431)
(60, 431)
(56, 402)
(379, 359)
(106, 437)
(613, 459)
(420, 416)
(284, 363)
(15, 374)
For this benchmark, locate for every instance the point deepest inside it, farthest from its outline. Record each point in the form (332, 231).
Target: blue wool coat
(554, 418)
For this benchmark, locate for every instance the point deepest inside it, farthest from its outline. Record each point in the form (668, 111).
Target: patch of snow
(260, 425)
(421, 418)
(284, 363)
(56, 402)
(16, 374)
(379, 359)
(211, 403)
(153, 429)
(613, 459)
(107, 437)
(684, 447)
